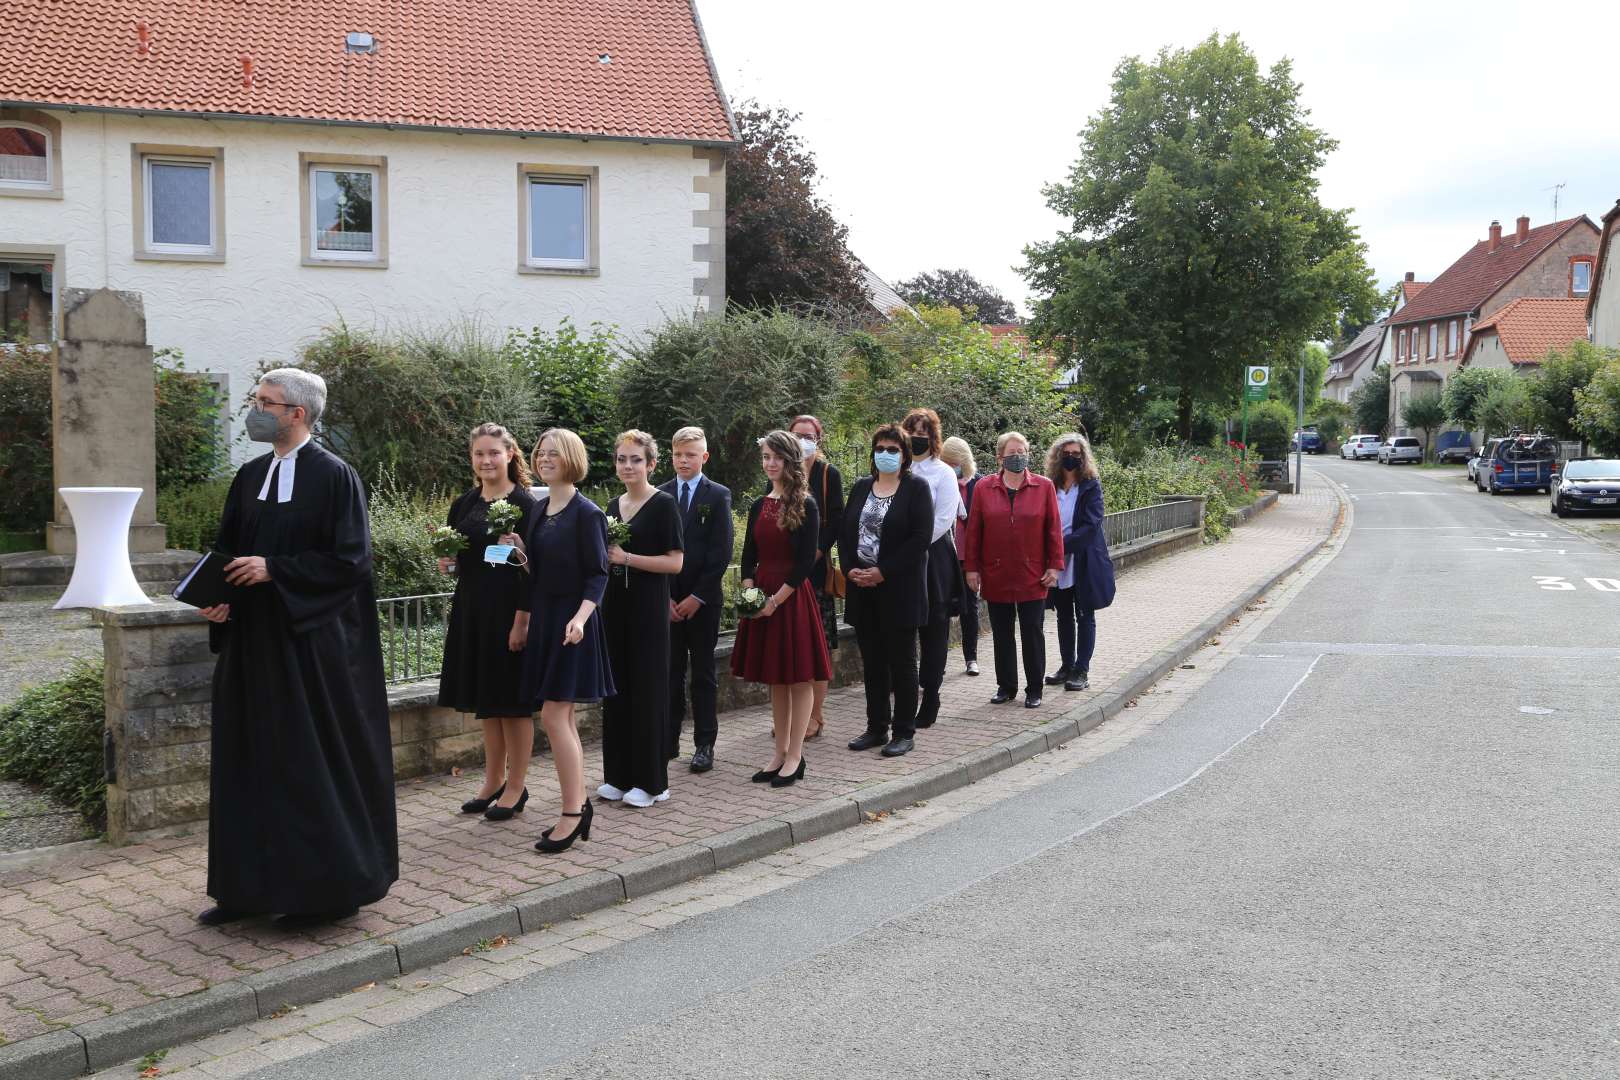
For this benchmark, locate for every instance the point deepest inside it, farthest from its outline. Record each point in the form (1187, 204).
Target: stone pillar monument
(102, 412)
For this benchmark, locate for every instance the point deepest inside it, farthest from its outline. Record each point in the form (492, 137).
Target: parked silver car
(1401, 448)
(1360, 446)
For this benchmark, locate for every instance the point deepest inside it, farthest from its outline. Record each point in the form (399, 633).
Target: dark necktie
(686, 497)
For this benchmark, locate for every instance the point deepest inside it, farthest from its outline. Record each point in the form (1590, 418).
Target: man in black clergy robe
(302, 817)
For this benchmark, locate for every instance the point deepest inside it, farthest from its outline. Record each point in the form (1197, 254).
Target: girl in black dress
(636, 614)
(483, 647)
(565, 662)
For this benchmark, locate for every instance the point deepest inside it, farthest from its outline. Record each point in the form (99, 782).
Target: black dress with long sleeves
(635, 612)
(481, 674)
(568, 550)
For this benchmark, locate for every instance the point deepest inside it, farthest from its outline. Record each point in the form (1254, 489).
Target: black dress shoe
(782, 779)
(866, 740)
(478, 806)
(1078, 680)
(302, 920)
(703, 759)
(1032, 701)
(504, 813)
(1002, 697)
(765, 776)
(219, 916)
(897, 746)
(1061, 675)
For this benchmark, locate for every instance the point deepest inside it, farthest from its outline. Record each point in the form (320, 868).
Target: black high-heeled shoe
(504, 813)
(547, 846)
(765, 775)
(478, 806)
(785, 780)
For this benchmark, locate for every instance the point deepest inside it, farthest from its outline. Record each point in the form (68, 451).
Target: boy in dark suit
(696, 597)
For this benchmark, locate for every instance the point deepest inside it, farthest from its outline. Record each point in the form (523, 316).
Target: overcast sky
(935, 125)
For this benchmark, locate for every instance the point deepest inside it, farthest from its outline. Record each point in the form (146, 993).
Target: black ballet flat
(547, 846)
(504, 813)
(478, 806)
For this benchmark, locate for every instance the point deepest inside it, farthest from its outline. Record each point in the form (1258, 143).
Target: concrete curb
(102, 1043)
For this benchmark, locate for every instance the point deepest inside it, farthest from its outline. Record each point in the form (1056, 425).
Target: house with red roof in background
(1519, 336)
(1603, 306)
(256, 171)
(1433, 332)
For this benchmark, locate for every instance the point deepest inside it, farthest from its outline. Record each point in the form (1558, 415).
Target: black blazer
(1088, 547)
(804, 543)
(707, 530)
(902, 599)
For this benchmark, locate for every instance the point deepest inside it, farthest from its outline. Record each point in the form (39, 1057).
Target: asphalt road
(1380, 842)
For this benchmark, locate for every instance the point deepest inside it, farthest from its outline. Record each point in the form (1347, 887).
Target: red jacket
(1012, 540)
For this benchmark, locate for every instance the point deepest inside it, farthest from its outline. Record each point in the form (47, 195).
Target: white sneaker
(637, 797)
(610, 793)
(972, 667)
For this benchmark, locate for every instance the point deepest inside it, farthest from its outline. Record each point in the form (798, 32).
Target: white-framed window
(1580, 278)
(25, 156)
(1400, 352)
(344, 207)
(1434, 340)
(559, 222)
(1451, 338)
(180, 215)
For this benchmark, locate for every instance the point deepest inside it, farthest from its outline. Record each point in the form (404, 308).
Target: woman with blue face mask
(883, 541)
(827, 488)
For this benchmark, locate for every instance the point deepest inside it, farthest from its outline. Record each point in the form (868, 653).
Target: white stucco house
(1603, 305)
(256, 171)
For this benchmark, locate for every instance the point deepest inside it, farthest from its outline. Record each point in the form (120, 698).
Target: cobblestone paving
(102, 930)
(380, 1006)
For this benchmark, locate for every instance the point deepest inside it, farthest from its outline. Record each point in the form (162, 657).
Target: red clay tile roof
(1531, 326)
(1352, 355)
(1470, 280)
(1410, 289)
(531, 66)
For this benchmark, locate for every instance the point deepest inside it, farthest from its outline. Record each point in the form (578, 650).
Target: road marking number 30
(1558, 584)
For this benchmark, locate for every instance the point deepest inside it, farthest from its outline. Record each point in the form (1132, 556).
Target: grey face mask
(262, 425)
(1015, 463)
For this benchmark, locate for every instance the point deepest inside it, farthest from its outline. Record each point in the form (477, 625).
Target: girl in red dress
(784, 645)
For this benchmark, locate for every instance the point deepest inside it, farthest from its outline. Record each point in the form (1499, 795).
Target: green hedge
(192, 512)
(1219, 474)
(25, 437)
(53, 735)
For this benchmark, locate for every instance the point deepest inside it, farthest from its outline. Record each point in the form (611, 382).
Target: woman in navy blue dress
(565, 661)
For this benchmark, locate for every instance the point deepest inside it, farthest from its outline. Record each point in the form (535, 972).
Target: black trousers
(889, 657)
(945, 589)
(1031, 618)
(693, 639)
(970, 626)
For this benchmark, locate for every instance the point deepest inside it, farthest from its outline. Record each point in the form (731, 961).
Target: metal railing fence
(1131, 526)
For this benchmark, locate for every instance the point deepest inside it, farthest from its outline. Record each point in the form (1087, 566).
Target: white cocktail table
(101, 571)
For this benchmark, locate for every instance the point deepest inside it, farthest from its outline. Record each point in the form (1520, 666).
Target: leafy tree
(1425, 411)
(190, 449)
(1506, 406)
(1330, 418)
(1597, 409)
(1555, 386)
(783, 244)
(25, 436)
(1369, 403)
(1196, 242)
(1466, 391)
(736, 377)
(572, 374)
(1284, 386)
(959, 289)
(1271, 428)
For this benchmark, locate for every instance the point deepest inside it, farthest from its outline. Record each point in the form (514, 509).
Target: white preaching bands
(282, 467)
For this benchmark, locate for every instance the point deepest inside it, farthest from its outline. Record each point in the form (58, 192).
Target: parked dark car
(1310, 439)
(1587, 484)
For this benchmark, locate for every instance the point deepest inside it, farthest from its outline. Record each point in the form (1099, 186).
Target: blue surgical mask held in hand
(1015, 463)
(262, 425)
(887, 461)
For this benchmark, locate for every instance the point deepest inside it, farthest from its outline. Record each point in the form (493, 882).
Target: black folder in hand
(205, 586)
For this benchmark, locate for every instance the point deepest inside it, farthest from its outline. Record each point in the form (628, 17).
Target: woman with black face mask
(1087, 581)
(921, 428)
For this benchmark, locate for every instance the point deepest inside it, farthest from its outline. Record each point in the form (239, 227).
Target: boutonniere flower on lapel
(703, 512)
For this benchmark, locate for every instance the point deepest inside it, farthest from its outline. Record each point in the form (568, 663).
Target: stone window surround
(1589, 260)
(52, 129)
(592, 175)
(139, 152)
(379, 210)
(57, 255)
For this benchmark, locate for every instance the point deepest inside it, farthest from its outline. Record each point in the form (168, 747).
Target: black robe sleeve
(225, 542)
(806, 545)
(317, 585)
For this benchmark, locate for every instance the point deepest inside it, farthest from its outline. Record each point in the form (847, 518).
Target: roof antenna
(1555, 189)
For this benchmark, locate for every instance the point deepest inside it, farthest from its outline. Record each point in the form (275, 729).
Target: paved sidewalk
(99, 931)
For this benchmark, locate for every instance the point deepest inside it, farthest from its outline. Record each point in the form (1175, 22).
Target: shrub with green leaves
(25, 436)
(53, 735)
(572, 373)
(404, 403)
(402, 524)
(1225, 477)
(190, 448)
(192, 512)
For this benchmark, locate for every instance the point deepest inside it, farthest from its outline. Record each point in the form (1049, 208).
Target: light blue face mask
(887, 461)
